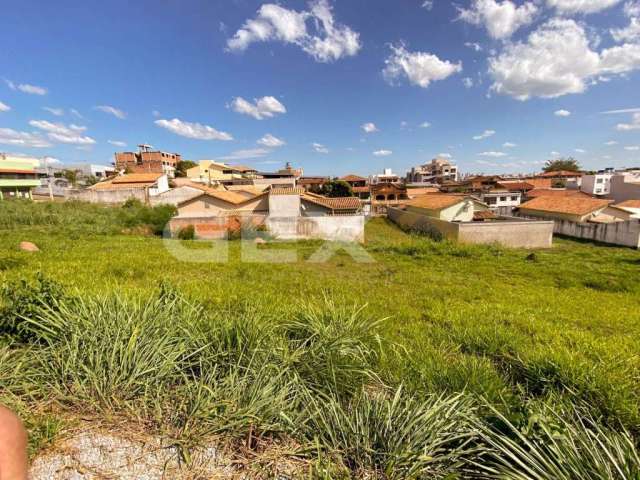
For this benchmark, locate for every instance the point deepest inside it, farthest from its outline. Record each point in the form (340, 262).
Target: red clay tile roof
(137, 178)
(628, 204)
(484, 215)
(286, 191)
(435, 201)
(11, 170)
(353, 178)
(560, 173)
(555, 192)
(360, 189)
(334, 203)
(512, 186)
(575, 205)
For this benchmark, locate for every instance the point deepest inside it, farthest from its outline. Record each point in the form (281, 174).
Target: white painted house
(598, 184)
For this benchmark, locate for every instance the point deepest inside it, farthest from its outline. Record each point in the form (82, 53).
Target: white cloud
(265, 107)
(382, 153)
(501, 19)
(624, 110)
(611, 143)
(26, 88)
(270, 141)
(319, 148)
(634, 125)
(492, 154)
(62, 133)
(485, 134)
(246, 154)
(371, 127)
(509, 145)
(112, 111)
(473, 46)
(633, 148)
(581, 6)
(425, 125)
(557, 59)
(117, 143)
(58, 112)
(193, 130)
(427, 4)
(75, 113)
(554, 154)
(562, 113)
(420, 68)
(632, 8)
(23, 139)
(328, 40)
(4, 107)
(445, 155)
(629, 33)
(580, 150)
(467, 82)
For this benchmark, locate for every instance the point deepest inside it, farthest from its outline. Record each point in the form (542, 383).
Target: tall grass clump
(388, 434)
(559, 444)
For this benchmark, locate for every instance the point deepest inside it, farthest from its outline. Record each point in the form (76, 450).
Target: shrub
(187, 233)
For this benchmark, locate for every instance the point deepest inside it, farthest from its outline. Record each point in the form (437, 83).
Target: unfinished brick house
(146, 160)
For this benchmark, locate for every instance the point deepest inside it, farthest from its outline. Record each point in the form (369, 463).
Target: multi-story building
(18, 177)
(359, 186)
(439, 170)
(387, 176)
(146, 160)
(598, 184)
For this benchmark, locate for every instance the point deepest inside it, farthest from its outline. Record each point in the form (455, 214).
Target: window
(599, 180)
(514, 198)
(503, 199)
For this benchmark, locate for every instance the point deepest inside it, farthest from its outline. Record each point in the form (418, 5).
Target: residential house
(437, 171)
(154, 183)
(500, 199)
(451, 208)
(387, 176)
(93, 170)
(577, 209)
(313, 184)
(384, 195)
(146, 160)
(210, 171)
(219, 202)
(562, 177)
(554, 192)
(359, 186)
(630, 206)
(18, 177)
(598, 184)
(520, 186)
(625, 186)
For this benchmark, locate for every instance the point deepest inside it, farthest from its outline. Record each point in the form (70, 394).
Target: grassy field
(430, 360)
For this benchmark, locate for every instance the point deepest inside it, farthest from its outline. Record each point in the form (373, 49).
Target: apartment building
(146, 160)
(439, 170)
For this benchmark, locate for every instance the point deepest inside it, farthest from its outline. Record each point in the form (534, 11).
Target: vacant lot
(521, 335)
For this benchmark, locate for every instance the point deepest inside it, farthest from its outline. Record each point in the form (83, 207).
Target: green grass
(317, 351)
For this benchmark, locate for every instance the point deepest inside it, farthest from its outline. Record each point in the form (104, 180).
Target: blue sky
(333, 86)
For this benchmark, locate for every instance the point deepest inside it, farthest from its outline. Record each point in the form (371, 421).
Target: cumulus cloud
(420, 68)
(557, 59)
(467, 82)
(611, 143)
(580, 150)
(634, 124)
(270, 141)
(26, 88)
(319, 148)
(425, 125)
(112, 111)
(509, 145)
(501, 19)
(629, 33)
(581, 6)
(485, 134)
(473, 46)
(245, 154)
(22, 139)
(193, 130)
(117, 143)
(4, 107)
(58, 112)
(562, 113)
(59, 132)
(371, 127)
(325, 40)
(261, 108)
(427, 4)
(382, 153)
(492, 154)
(554, 154)
(447, 156)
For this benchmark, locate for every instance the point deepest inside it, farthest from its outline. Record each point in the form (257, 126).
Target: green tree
(183, 166)
(569, 163)
(337, 188)
(71, 176)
